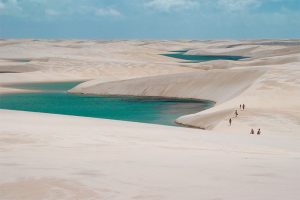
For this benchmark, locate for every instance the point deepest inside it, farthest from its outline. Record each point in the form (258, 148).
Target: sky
(149, 19)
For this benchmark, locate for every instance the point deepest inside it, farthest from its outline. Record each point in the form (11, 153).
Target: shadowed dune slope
(215, 85)
(17, 68)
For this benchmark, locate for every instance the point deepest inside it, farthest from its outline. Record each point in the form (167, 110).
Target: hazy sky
(150, 19)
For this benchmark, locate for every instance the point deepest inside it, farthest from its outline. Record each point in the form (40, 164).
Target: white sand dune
(195, 85)
(44, 156)
(64, 157)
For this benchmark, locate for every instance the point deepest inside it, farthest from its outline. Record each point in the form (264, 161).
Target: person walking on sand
(252, 131)
(230, 122)
(258, 132)
(240, 106)
(243, 106)
(236, 113)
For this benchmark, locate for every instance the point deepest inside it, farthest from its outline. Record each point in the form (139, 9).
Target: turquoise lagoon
(181, 54)
(54, 98)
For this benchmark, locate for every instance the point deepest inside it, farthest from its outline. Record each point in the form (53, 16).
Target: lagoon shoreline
(54, 98)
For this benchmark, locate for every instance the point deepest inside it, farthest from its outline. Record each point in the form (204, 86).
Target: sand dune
(65, 157)
(197, 85)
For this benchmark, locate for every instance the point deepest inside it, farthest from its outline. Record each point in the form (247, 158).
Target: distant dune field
(47, 156)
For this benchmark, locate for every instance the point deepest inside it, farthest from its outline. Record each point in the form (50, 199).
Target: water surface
(55, 99)
(181, 54)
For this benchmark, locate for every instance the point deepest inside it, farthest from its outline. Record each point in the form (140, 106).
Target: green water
(181, 54)
(55, 99)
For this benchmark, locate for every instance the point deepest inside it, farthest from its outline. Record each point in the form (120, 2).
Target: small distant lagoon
(54, 98)
(181, 54)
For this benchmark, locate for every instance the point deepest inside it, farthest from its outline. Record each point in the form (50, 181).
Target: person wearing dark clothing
(252, 131)
(236, 113)
(230, 122)
(258, 132)
(243, 106)
(240, 106)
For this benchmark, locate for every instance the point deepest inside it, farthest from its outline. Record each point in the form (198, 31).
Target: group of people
(242, 107)
(258, 131)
